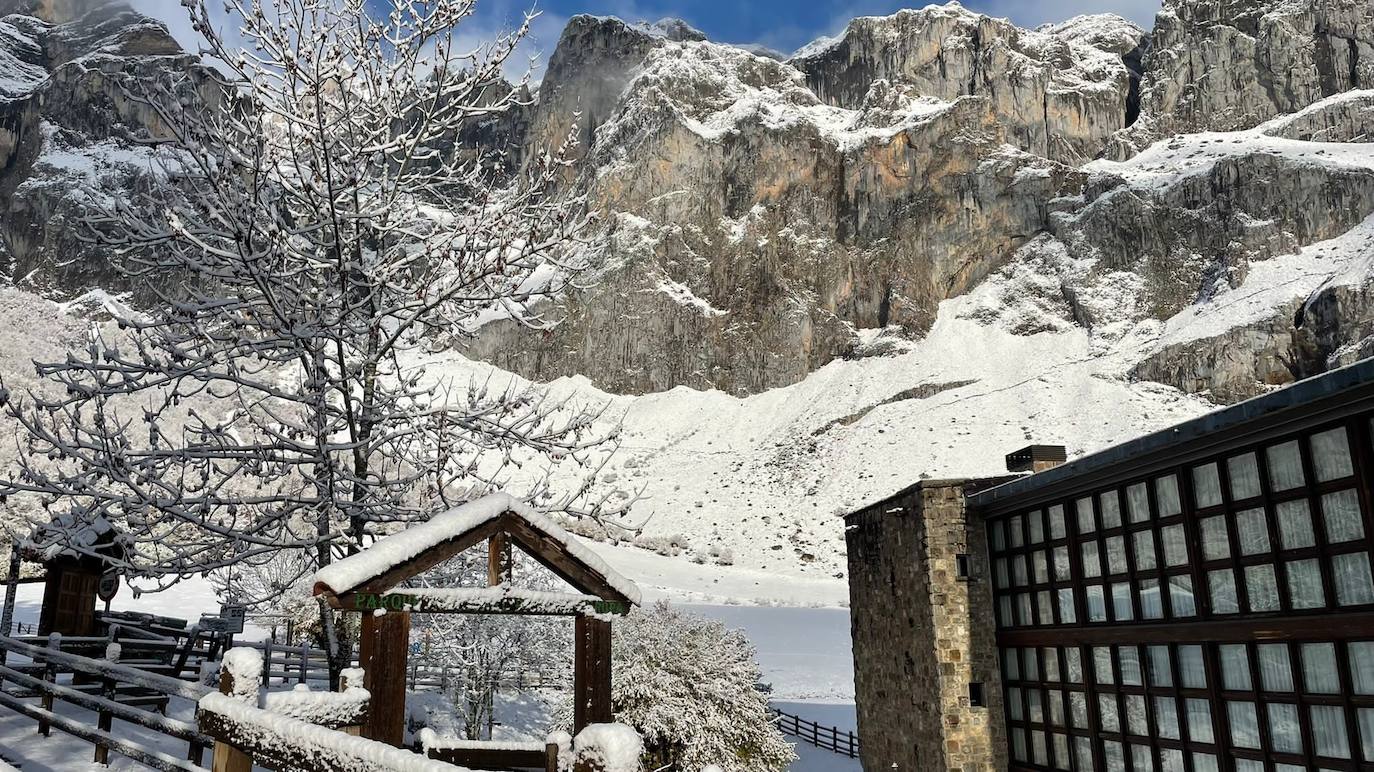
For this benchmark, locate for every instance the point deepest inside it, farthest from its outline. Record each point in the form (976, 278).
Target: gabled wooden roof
(400, 556)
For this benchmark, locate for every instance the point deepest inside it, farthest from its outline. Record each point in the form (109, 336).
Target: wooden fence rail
(107, 687)
(824, 737)
(306, 664)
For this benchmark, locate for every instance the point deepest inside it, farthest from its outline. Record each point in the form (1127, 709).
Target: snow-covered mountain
(763, 218)
(904, 251)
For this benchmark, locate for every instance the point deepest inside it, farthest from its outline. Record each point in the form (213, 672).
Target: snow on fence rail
(105, 683)
(824, 737)
(246, 734)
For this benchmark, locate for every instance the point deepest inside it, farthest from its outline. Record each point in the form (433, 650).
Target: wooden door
(76, 596)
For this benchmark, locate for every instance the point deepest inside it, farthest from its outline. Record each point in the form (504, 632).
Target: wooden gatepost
(372, 582)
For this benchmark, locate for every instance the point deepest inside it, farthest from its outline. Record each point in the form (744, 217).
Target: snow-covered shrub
(667, 545)
(686, 684)
(607, 748)
(723, 556)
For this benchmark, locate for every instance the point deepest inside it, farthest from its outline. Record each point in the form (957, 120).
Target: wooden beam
(554, 556)
(426, 604)
(493, 758)
(591, 673)
(384, 652)
(499, 564)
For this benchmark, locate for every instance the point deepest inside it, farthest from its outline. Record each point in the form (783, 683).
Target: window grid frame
(1359, 430)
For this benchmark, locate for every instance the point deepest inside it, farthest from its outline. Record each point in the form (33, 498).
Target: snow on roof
(399, 548)
(70, 535)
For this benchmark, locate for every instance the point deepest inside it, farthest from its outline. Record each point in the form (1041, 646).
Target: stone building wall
(922, 634)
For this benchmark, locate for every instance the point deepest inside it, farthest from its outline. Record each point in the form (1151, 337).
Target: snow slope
(767, 477)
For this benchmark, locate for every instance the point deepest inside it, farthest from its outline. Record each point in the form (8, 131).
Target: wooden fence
(824, 737)
(312, 731)
(315, 731)
(107, 687)
(304, 664)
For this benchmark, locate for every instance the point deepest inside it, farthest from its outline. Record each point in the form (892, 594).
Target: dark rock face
(78, 133)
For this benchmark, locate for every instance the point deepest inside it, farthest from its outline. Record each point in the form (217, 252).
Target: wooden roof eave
(538, 545)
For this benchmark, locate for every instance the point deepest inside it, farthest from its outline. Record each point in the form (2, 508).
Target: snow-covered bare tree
(313, 230)
(483, 654)
(687, 684)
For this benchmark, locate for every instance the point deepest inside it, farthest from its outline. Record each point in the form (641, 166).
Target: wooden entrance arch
(367, 582)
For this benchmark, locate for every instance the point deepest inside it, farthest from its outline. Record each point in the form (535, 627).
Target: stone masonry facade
(923, 633)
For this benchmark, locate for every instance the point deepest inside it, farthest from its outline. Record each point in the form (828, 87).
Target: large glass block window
(1278, 701)
(1226, 573)
(1331, 455)
(1285, 466)
(1206, 486)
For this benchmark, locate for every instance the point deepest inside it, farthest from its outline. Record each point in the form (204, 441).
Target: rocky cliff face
(1232, 64)
(1061, 92)
(71, 131)
(759, 217)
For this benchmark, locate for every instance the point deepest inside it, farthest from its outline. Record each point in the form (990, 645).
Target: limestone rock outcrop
(1222, 65)
(1061, 91)
(76, 132)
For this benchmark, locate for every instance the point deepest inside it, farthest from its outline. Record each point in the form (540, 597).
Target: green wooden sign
(426, 604)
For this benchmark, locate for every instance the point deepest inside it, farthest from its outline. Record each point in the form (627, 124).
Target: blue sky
(788, 24)
(781, 24)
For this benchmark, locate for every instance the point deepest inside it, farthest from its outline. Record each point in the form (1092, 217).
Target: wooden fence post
(227, 758)
(11, 592)
(104, 720)
(385, 649)
(344, 683)
(305, 661)
(50, 676)
(591, 672)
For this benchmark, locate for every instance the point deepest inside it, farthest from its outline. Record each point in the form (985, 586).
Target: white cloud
(1031, 13)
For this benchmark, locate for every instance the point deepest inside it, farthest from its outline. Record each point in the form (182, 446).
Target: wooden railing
(824, 737)
(304, 664)
(305, 738)
(107, 687)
